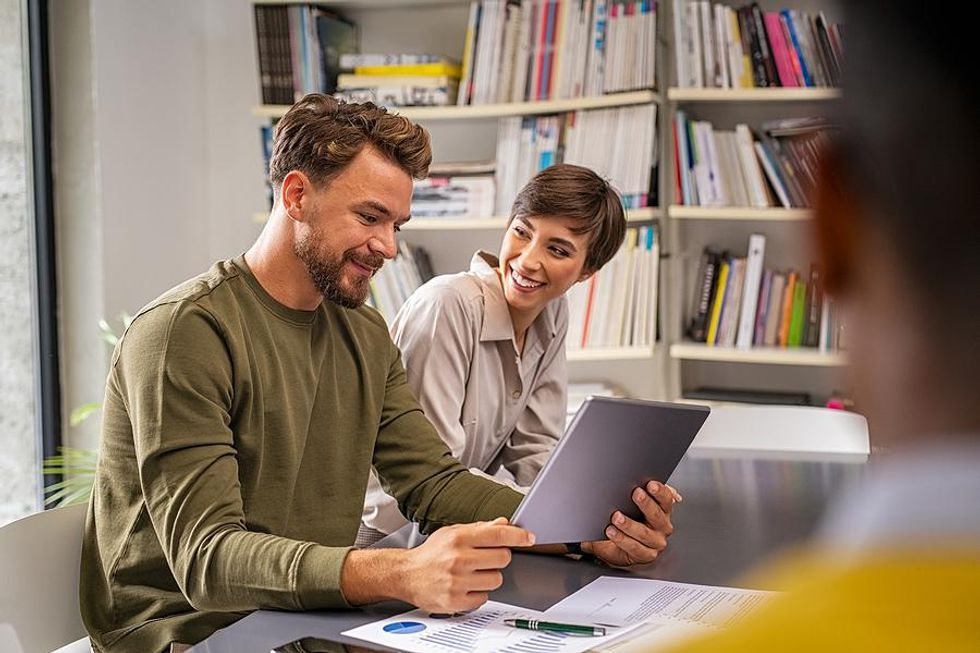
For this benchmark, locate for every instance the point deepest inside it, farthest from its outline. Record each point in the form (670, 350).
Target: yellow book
(716, 304)
(428, 69)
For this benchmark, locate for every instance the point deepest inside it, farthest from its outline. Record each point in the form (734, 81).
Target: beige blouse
(500, 412)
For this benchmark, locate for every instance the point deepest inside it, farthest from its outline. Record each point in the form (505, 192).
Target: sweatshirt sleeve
(174, 374)
(418, 469)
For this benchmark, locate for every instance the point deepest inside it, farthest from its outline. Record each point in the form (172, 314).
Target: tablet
(611, 447)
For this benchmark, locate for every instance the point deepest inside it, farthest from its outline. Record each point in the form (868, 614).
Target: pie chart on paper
(404, 628)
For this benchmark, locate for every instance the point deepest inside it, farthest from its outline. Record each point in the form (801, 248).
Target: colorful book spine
(784, 67)
(798, 317)
(719, 300)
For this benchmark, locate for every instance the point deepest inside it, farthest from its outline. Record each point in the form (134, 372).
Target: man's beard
(327, 274)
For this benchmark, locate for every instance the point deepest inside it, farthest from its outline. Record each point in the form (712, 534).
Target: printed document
(615, 601)
(480, 631)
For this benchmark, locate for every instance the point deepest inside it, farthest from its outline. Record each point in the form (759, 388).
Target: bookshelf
(502, 110)
(468, 133)
(691, 228)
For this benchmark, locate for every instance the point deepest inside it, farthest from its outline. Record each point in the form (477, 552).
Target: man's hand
(631, 542)
(454, 570)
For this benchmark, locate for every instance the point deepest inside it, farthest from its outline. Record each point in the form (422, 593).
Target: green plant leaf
(83, 412)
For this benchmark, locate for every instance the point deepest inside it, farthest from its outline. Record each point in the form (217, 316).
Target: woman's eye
(559, 252)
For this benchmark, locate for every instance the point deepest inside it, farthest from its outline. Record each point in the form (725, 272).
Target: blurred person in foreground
(896, 566)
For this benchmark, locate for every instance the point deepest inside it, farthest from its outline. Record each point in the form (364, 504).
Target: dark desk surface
(739, 508)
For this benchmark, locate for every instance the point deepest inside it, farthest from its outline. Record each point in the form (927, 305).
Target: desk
(739, 507)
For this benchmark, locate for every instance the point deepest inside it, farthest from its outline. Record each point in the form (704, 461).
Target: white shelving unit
(679, 212)
(481, 224)
(484, 111)
(802, 356)
(730, 95)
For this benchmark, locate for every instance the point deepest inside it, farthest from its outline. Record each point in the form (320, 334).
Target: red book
(542, 44)
(784, 68)
(678, 189)
(791, 52)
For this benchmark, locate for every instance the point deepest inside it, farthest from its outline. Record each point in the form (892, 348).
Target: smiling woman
(484, 349)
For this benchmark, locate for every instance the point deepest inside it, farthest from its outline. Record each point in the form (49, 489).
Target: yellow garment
(898, 602)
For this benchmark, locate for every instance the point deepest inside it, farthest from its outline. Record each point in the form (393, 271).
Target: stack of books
(617, 306)
(716, 46)
(299, 49)
(732, 168)
(528, 50)
(400, 80)
(628, 135)
(737, 302)
(399, 278)
(455, 190)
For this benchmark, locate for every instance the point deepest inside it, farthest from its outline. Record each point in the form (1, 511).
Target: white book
(622, 289)
(824, 342)
(721, 47)
(469, 54)
(694, 57)
(750, 291)
(722, 171)
(707, 44)
(578, 296)
(708, 143)
(774, 309)
(751, 171)
(496, 51)
(651, 56)
(508, 50)
(733, 301)
(522, 53)
(773, 176)
(738, 186)
(651, 272)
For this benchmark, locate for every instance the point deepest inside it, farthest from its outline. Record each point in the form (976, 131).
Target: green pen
(550, 626)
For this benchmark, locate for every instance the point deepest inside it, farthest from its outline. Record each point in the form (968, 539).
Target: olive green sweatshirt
(237, 439)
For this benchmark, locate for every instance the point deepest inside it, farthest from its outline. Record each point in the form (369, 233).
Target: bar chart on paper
(480, 631)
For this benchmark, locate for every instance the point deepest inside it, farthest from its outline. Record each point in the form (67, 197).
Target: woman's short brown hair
(571, 191)
(320, 136)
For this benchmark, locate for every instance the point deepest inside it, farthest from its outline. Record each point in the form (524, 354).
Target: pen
(567, 629)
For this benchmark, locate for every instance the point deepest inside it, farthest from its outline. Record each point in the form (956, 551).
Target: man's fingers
(662, 494)
(485, 581)
(635, 552)
(642, 533)
(493, 534)
(652, 508)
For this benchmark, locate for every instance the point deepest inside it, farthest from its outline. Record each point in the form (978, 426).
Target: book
(352, 60)
(789, 293)
(814, 308)
(759, 331)
(784, 67)
(717, 302)
(400, 96)
(774, 309)
(708, 268)
(443, 68)
(750, 291)
(732, 304)
(798, 315)
(348, 80)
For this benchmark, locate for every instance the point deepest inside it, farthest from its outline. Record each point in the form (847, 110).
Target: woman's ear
(586, 273)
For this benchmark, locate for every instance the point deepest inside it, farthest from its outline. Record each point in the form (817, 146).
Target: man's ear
(295, 193)
(837, 224)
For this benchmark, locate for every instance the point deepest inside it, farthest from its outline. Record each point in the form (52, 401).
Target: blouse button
(516, 394)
